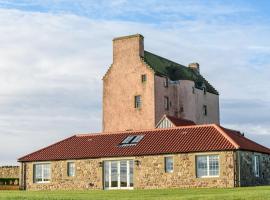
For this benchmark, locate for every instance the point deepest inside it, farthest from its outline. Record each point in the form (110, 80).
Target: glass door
(118, 174)
(114, 174)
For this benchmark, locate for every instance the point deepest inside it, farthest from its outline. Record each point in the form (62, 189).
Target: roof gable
(175, 71)
(171, 121)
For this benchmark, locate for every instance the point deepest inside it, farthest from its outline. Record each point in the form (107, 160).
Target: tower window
(166, 82)
(181, 109)
(193, 90)
(138, 101)
(205, 110)
(166, 103)
(144, 78)
(204, 90)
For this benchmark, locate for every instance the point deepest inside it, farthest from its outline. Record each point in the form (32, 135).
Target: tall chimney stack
(128, 47)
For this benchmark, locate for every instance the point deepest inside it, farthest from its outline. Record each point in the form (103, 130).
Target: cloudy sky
(53, 54)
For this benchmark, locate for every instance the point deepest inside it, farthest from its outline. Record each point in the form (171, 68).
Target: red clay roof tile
(196, 138)
(180, 121)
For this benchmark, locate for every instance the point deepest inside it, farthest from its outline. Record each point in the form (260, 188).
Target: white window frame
(42, 172)
(208, 166)
(68, 169)
(256, 165)
(166, 167)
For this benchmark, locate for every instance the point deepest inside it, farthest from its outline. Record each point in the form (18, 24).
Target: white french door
(118, 174)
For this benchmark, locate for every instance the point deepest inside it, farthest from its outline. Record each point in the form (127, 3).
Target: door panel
(118, 174)
(114, 174)
(123, 173)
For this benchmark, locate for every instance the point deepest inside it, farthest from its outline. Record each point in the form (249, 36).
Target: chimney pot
(195, 66)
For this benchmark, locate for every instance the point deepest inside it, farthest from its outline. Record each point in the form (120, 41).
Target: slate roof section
(199, 138)
(175, 71)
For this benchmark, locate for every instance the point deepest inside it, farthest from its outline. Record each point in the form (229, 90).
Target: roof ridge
(166, 59)
(144, 130)
(234, 143)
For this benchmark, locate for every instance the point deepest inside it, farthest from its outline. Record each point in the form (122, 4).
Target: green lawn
(252, 193)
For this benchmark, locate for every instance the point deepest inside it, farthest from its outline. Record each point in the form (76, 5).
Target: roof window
(131, 140)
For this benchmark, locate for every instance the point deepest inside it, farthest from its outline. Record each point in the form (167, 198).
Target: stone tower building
(140, 87)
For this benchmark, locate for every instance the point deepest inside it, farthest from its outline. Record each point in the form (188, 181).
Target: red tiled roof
(198, 138)
(245, 143)
(180, 121)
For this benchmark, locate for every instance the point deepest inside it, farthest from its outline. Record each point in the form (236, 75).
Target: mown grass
(249, 193)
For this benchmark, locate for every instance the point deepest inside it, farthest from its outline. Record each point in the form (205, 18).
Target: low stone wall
(148, 173)
(9, 171)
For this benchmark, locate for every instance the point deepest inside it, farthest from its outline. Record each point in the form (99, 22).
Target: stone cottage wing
(199, 138)
(175, 71)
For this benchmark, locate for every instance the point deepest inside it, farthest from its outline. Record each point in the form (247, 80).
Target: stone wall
(181, 95)
(247, 175)
(149, 172)
(88, 175)
(9, 171)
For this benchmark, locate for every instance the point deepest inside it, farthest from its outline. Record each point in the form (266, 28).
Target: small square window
(166, 82)
(144, 78)
(138, 101)
(169, 164)
(205, 110)
(71, 169)
(166, 103)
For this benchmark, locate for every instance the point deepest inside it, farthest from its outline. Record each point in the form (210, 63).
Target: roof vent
(195, 67)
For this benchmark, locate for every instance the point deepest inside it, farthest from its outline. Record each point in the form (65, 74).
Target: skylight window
(128, 139)
(131, 140)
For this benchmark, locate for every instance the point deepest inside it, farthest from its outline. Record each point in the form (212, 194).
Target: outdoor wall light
(137, 162)
(100, 164)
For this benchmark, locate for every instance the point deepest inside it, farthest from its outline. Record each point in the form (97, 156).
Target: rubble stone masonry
(9, 171)
(149, 173)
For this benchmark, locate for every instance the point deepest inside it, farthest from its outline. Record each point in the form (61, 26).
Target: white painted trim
(42, 172)
(208, 164)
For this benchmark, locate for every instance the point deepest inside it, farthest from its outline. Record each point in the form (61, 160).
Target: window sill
(42, 182)
(205, 177)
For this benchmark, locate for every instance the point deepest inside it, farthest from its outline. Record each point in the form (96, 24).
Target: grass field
(251, 193)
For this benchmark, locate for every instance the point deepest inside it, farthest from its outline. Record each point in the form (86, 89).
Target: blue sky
(53, 54)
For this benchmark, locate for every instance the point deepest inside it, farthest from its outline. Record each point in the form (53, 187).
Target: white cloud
(51, 67)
